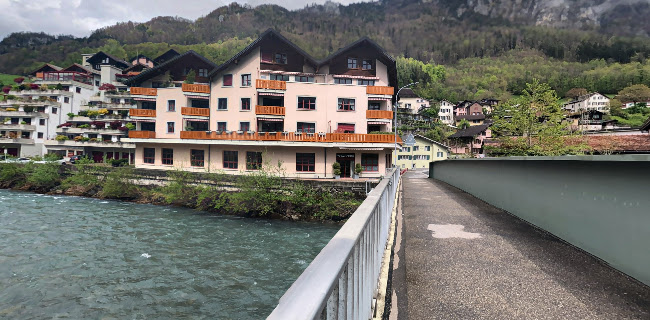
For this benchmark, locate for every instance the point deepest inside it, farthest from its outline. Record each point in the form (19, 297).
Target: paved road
(465, 259)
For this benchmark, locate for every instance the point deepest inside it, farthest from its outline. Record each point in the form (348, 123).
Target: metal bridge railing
(342, 280)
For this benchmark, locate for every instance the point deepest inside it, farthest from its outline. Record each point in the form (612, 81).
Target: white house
(592, 101)
(446, 112)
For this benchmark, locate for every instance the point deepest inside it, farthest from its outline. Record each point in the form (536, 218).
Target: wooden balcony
(196, 88)
(270, 84)
(142, 134)
(142, 113)
(292, 136)
(379, 114)
(202, 112)
(144, 91)
(269, 110)
(380, 90)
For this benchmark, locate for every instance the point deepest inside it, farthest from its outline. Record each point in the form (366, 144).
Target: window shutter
(227, 80)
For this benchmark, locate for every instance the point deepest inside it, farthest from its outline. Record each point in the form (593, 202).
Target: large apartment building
(272, 103)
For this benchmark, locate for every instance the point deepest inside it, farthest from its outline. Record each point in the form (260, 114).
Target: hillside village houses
(591, 101)
(445, 112)
(421, 154)
(411, 102)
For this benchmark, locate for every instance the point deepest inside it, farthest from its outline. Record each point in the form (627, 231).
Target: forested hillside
(467, 51)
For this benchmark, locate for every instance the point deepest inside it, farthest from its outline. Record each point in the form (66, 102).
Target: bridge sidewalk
(465, 259)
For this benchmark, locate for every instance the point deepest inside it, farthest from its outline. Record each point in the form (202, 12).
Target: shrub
(19, 80)
(130, 126)
(28, 109)
(11, 174)
(52, 157)
(44, 87)
(115, 124)
(71, 115)
(357, 168)
(78, 138)
(33, 86)
(11, 109)
(83, 113)
(102, 111)
(336, 168)
(117, 184)
(23, 122)
(65, 125)
(85, 125)
(123, 128)
(58, 86)
(107, 87)
(98, 124)
(93, 139)
(44, 177)
(6, 90)
(11, 97)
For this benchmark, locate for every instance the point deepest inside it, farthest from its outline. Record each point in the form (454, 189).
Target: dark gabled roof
(169, 54)
(386, 58)
(472, 131)
(140, 56)
(407, 93)
(76, 65)
(47, 65)
(138, 66)
(254, 44)
(584, 97)
(471, 117)
(152, 72)
(646, 125)
(118, 60)
(425, 138)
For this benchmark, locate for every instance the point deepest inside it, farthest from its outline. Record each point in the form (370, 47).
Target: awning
(355, 77)
(270, 119)
(145, 99)
(379, 122)
(362, 149)
(271, 94)
(287, 72)
(346, 127)
(378, 99)
(197, 120)
(143, 120)
(198, 97)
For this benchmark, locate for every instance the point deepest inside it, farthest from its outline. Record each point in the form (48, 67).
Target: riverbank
(257, 194)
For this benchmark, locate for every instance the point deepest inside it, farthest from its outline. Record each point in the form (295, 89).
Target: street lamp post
(395, 118)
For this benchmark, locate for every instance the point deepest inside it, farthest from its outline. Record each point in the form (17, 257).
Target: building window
(440, 154)
(346, 104)
(304, 79)
(370, 162)
(427, 148)
(244, 126)
(246, 104)
(167, 156)
(222, 104)
(281, 58)
(227, 80)
(149, 155)
(41, 122)
(40, 135)
(54, 110)
(66, 100)
(306, 103)
(246, 80)
(374, 105)
(96, 83)
(306, 127)
(171, 105)
(222, 126)
(203, 73)
(345, 128)
(196, 158)
(78, 89)
(342, 81)
(253, 160)
(170, 127)
(305, 162)
(279, 77)
(230, 159)
(352, 63)
(363, 82)
(366, 65)
(416, 148)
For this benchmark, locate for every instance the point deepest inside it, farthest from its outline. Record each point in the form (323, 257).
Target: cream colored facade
(424, 151)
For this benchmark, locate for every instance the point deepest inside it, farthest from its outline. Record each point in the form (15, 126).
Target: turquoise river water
(78, 258)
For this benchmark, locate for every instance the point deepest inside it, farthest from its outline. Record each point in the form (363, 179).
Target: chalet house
(270, 104)
(592, 120)
(410, 102)
(489, 104)
(468, 108)
(473, 119)
(470, 141)
(445, 112)
(424, 151)
(592, 101)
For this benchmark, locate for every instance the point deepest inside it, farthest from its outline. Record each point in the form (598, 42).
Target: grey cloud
(81, 17)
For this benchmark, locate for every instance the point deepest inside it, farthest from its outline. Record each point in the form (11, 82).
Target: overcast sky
(80, 17)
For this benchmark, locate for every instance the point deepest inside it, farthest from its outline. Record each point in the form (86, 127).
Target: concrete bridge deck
(460, 258)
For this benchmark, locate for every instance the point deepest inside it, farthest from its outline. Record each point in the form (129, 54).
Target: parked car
(78, 157)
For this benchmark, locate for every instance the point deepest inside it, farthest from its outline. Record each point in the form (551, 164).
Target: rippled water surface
(78, 258)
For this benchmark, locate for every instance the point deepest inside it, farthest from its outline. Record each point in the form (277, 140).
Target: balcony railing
(379, 114)
(196, 88)
(187, 111)
(142, 134)
(142, 113)
(269, 110)
(380, 90)
(270, 84)
(292, 136)
(144, 91)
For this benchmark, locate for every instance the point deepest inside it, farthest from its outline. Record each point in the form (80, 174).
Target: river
(81, 258)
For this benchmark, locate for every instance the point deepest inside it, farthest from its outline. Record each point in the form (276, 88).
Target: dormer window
(105, 60)
(366, 65)
(280, 58)
(352, 63)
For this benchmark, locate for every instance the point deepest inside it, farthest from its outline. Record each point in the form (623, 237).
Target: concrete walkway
(464, 259)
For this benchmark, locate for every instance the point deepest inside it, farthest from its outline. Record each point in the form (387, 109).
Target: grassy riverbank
(258, 194)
